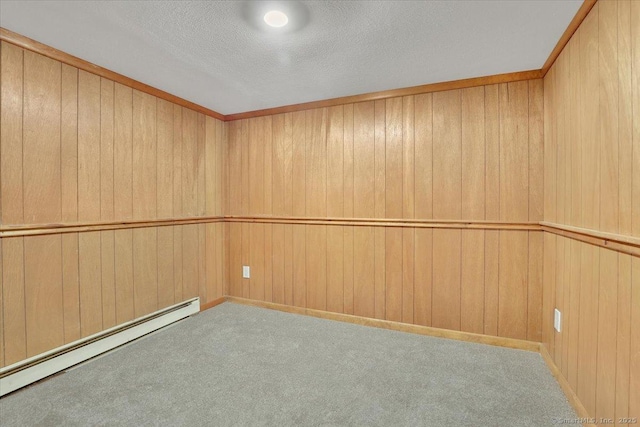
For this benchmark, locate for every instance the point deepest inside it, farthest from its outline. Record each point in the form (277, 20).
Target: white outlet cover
(246, 272)
(557, 320)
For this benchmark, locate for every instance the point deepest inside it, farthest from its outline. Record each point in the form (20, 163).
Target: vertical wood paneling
(11, 132)
(88, 146)
(69, 143)
(165, 160)
(70, 287)
(75, 148)
(107, 206)
(13, 298)
(492, 207)
(90, 277)
(144, 156)
(590, 158)
(123, 152)
(423, 256)
(447, 203)
(348, 208)
(512, 300)
(473, 206)
(41, 139)
(335, 208)
(393, 209)
(124, 276)
(43, 293)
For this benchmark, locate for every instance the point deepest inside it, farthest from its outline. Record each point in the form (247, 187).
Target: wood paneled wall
(76, 148)
(592, 180)
(469, 155)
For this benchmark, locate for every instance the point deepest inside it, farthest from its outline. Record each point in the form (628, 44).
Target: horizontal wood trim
(48, 51)
(393, 93)
(394, 326)
(572, 397)
(213, 303)
(389, 222)
(582, 13)
(43, 229)
(617, 242)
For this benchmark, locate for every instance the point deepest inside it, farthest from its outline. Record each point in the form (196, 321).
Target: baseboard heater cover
(35, 368)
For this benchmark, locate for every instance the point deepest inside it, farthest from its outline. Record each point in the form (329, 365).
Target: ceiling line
(48, 51)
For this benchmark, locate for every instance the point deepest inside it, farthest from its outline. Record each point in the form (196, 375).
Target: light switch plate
(246, 272)
(557, 320)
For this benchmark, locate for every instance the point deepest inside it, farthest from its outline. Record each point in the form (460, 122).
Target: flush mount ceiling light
(275, 18)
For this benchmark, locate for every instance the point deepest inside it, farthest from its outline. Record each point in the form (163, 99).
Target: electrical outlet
(557, 320)
(246, 272)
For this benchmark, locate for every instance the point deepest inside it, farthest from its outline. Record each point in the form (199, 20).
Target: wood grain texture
(358, 187)
(43, 293)
(100, 181)
(23, 42)
(590, 174)
(11, 132)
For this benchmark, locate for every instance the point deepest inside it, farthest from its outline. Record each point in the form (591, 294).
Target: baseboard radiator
(35, 368)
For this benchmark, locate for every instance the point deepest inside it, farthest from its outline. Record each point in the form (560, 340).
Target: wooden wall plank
(189, 144)
(69, 143)
(572, 316)
(90, 277)
(447, 203)
(235, 259)
(512, 300)
(335, 207)
(165, 159)
(201, 248)
(473, 207)
(11, 131)
(587, 341)
(144, 156)
(70, 288)
(607, 328)
(41, 139)
(408, 206)
(200, 166)
(166, 273)
(13, 297)
(393, 209)
(43, 293)
(379, 154)
(446, 296)
(123, 152)
(106, 149)
(316, 266)
(123, 241)
(534, 286)
(88, 147)
(145, 271)
(190, 263)
(363, 270)
(108, 269)
(514, 151)
(257, 261)
(589, 119)
(348, 208)
(536, 150)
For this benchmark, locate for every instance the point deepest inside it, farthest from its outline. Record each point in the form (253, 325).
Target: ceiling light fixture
(275, 18)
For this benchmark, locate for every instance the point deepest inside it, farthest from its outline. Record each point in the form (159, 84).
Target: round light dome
(275, 18)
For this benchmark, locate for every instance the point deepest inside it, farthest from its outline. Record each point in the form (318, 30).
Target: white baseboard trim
(35, 368)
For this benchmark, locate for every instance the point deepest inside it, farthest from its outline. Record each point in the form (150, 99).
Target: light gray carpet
(239, 365)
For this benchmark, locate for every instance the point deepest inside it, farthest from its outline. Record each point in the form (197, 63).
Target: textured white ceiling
(211, 53)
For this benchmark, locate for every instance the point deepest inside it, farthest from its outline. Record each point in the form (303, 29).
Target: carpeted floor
(239, 365)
